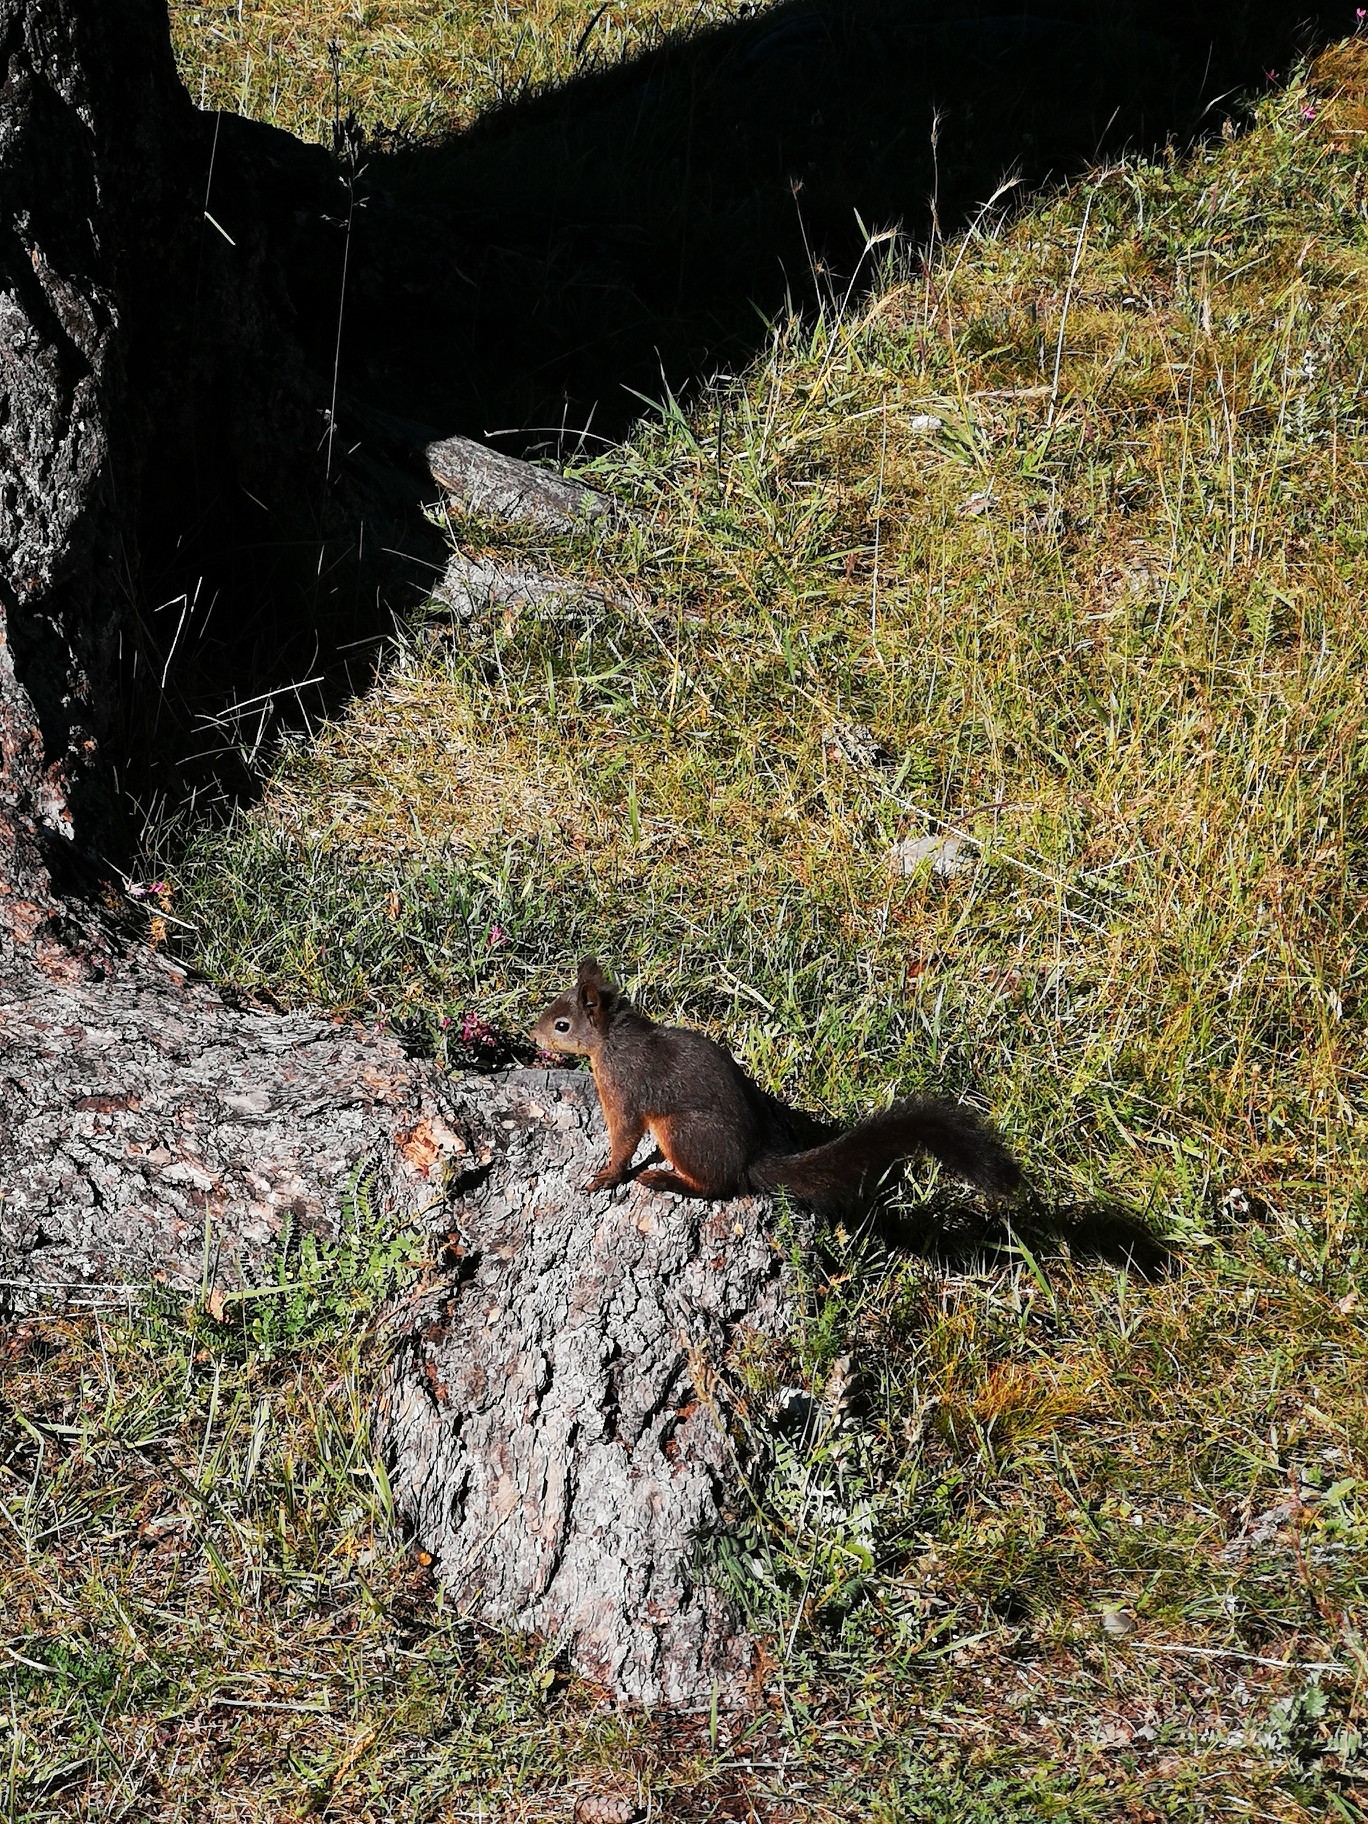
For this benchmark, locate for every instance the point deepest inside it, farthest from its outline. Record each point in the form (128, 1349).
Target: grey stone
(495, 486)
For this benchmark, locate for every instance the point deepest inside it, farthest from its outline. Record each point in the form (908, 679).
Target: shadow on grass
(957, 1233)
(538, 276)
(640, 227)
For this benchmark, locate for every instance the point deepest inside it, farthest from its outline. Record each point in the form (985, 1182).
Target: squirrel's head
(577, 1020)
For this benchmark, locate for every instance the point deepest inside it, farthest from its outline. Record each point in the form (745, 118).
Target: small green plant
(317, 1288)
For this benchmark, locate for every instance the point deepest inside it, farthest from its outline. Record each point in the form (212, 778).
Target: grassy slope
(1095, 1535)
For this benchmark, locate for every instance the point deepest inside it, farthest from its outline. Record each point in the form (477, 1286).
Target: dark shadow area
(958, 1233)
(635, 229)
(535, 276)
(272, 541)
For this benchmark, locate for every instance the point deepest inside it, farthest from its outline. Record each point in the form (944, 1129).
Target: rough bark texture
(148, 1131)
(558, 1412)
(59, 322)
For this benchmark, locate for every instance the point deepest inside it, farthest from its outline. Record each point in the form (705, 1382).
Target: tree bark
(169, 294)
(149, 1131)
(158, 372)
(564, 1428)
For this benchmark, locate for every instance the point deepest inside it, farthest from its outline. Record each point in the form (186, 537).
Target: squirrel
(722, 1135)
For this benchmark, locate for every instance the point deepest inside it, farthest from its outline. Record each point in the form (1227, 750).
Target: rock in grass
(494, 486)
(948, 856)
(473, 586)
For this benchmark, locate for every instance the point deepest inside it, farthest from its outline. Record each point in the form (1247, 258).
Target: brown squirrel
(722, 1135)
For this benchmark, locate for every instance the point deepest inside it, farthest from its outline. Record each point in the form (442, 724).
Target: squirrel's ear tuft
(597, 994)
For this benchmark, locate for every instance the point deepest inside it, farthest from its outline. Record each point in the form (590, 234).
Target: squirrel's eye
(562, 1025)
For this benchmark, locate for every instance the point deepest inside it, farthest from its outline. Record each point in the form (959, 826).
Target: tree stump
(558, 1416)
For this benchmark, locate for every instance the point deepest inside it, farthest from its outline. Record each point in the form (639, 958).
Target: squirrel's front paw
(602, 1181)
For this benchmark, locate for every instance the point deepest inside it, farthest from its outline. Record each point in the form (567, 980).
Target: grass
(1057, 541)
(406, 68)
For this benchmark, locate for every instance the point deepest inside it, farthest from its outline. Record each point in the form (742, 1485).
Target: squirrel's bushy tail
(833, 1176)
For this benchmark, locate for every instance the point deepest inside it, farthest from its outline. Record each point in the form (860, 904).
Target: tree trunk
(555, 1410)
(159, 371)
(560, 1412)
(172, 515)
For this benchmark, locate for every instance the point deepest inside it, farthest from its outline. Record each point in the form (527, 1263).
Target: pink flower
(497, 936)
(1308, 112)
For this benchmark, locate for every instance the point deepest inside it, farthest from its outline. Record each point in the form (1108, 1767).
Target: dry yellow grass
(415, 67)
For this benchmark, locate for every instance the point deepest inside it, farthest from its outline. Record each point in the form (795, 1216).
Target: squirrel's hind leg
(658, 1180)
(699, 1162)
